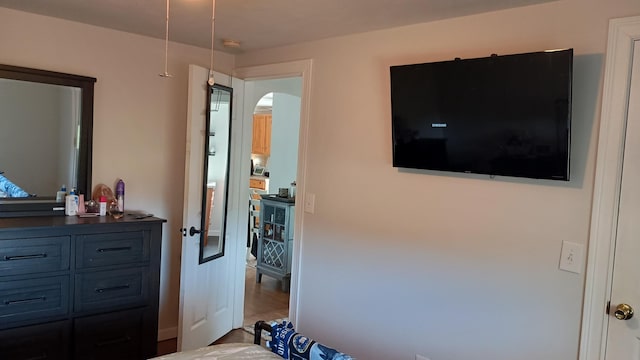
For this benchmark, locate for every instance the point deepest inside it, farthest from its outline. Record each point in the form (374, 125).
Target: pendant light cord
(211, 81)
(166, 45)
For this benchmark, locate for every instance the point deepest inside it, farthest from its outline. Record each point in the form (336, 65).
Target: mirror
(216, 172)
(46, 139)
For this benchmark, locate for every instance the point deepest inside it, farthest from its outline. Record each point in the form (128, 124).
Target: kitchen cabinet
(261, 141)
(79, 288)
(259, 184)
(275, 242)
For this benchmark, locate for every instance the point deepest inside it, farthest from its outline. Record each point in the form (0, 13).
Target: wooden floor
(264, 301)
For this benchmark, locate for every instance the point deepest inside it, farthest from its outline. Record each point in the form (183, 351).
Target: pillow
(289, 344)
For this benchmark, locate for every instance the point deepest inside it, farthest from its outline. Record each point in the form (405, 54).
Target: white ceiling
(257, 23)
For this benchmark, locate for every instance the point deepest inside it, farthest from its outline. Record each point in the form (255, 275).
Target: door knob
(194, 231)
(623, 312)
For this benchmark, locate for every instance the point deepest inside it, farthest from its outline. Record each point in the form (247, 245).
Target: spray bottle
(120, 195)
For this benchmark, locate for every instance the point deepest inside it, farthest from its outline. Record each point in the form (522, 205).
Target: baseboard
(168, 333)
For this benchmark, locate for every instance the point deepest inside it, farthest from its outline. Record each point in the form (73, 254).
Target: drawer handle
(124, 248)
(120, 340)
(25, 257)
(25, 301)
(39, 357)
(113, 288)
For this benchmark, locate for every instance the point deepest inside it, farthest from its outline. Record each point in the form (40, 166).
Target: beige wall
(450, 266)
(394, 263)
(139, 117)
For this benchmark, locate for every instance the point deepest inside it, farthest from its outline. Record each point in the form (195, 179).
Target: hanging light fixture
(211, 81)
(166, 46)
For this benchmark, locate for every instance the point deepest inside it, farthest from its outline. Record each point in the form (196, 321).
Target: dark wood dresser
(79, 288)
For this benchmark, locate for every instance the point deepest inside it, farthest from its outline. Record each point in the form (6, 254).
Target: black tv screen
(506, 115)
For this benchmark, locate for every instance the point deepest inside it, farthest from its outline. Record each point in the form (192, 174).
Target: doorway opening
(274, 165)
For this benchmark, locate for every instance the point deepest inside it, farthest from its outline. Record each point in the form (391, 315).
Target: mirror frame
(16, 207)
(201, 258)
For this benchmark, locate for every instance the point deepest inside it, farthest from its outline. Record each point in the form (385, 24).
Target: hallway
(264, 301)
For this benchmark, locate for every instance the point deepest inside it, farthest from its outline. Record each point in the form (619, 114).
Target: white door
(206, 290)
(623, 337)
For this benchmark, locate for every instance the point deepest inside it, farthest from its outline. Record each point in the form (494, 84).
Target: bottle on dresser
(71, 203)
(120, 195)
(61, 194)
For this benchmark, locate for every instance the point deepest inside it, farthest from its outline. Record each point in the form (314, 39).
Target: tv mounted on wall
(506, 115)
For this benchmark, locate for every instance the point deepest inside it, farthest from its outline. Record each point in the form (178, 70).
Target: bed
(285, 343)
(224, 352)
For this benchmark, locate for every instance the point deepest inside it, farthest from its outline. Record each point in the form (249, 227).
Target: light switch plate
(310, 203)
(571, 257)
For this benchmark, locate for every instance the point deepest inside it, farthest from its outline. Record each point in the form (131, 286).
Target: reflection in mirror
(216, 170)
(45, 140)
(51, 129)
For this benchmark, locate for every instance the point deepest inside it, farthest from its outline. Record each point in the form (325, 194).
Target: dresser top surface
(54, 221)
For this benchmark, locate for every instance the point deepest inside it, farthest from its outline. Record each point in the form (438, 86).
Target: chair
(254, 221)
(254, 211)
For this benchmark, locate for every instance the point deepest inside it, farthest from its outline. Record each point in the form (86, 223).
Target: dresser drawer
(46, 342)
(34, 255)
(112, 249)
(110, 336)
(111, 289)
(33, 299)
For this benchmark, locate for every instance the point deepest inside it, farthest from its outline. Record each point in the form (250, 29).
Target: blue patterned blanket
(289, 344)
(9, 189)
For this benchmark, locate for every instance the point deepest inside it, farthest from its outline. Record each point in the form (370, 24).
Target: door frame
(300, 68)
(623, 32)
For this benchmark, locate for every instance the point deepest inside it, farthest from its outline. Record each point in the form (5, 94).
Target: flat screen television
(506, 115)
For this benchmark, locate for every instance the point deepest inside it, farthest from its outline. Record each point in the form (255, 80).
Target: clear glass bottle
(114, 209)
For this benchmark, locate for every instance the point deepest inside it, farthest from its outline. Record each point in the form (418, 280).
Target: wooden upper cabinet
(258, 184)
(261, 143)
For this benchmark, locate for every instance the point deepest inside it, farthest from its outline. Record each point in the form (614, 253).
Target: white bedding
(238, 351)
